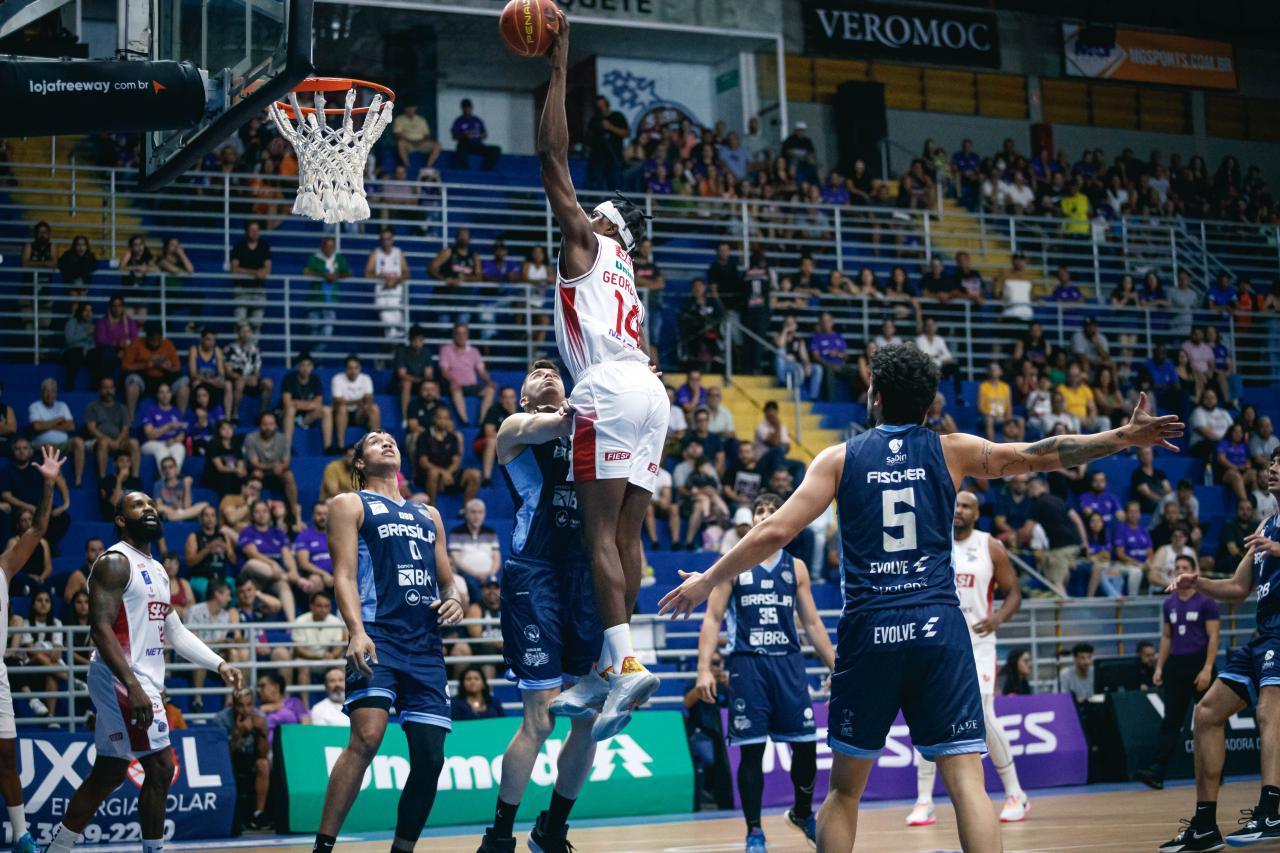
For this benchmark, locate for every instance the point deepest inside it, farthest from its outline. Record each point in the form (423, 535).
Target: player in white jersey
(14, 558)
(620, 406)
(131, 619)
(981, 565)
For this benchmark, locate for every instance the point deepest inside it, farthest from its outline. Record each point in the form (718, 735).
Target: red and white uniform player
(621, 406)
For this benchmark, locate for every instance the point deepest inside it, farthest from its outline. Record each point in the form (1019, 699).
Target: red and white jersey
(139, 626)
(599, 313)
(975, 580)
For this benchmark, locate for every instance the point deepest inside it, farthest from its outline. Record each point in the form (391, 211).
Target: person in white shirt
(742, 521)
(316, 643)
(1016, 197)
(661, 501)
(388, 265)
(328, 711)
(1209, 423)
(1059, 417)
(211, 621)
(352, 393)
(932, 345)
(721, 421)
(52, 423)
(888, 335)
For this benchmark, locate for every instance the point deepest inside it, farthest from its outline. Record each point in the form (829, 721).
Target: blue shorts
(550, 627)
(412, 682)
(769, 696)
(1253, 666)
(917, 660)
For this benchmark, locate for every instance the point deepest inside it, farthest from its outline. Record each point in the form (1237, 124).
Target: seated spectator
(1077, 679)
(486, 633)
(209, 552)
(1099, 500)
(411, 366)
(246, 730)
(225, 470)
(1181, 507)
(352, 392)
(254, 607)
(744, 477)
(1148, 485)
(1262, 443)
(698, 486)
(174, 260)
(328, 711)
(792, 365)
(76, 581)
(439, 463)
(937, 418)
(164, 427)
(1152, 294)
(995, 400)
(82, 644)
(691, 394)
(22, 487)
(1063, 533)
(457, 263)
(1059, 421)
(1133, 543)
(742, 522)
(1078, 401)
(205, 366)
(1164, 377)
(277, 705)
(121, 481)
(828, 349)
(1011, 510)
(38, 645)
(1015, 677)
(53, 426)
(772, 440)
(34, 574)
(1201, 357)
(1231, 463)
(1111, 404)
(268, 456)
(474, 548)
(1231, 547)
(888, 336)
(1146, 666)
(422, 413)
(1015, 197)
(302, 402)
(1161, 570)
(314, 643)
(463, 369)
(1125, 294)
(148, 363)
(1065, 290)
(935, 283)
(412, 135)
(1222, 296)
(933, 345)
(172, 494)
(1100, 547)
(712, 443)
(268, 558)
(472, 699)
(77, 340)
(181, 595)
(662, 501)
(202, 420)
(326, 269)
(338, 476)
(243, 361)
(1090, 344)
(485, 444)
(78, 263)
(112, 334)
(136, 263)
(311, 549)
(1209, 424)
(469, 133)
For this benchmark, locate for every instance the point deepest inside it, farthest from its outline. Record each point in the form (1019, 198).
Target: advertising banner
(1138, 716)
(1147, 57)
(1044, 736)
(202, 797)
(657, 96)
(645, 770)
(855, 30)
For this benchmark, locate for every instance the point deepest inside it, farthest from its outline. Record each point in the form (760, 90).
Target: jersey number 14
(894, 519)
(628, 323)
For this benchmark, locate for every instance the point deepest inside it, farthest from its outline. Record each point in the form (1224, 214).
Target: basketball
(524, 25)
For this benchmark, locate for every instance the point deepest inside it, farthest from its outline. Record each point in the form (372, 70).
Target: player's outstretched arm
(971, 456)
(816, 492)
(194, 649)
(448, 605)
(1236, 588)
(807, 610)
(17, 554)
(553, 155)
(346, 512)
(523, 429)
(1007, 579)
(709, 639)
(107, 581)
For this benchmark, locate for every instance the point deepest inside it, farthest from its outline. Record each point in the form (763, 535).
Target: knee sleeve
(751, 781)
(426, 760)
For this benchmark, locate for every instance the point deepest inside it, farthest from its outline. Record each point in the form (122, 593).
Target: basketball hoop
(331, 158)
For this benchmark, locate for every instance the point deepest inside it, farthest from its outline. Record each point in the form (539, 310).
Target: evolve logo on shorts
(617, 456)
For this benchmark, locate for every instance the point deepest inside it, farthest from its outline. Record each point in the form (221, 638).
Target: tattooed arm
(970, 456)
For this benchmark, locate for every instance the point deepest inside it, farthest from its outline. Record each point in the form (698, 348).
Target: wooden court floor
(1114, 819)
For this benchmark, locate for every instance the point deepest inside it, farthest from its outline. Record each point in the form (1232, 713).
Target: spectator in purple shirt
(311, 549)
(112, 332)
(469, 132)
(1099, 500)
(268, 559)
(277, 706)
(660, 183)
(501, 268)
(1184, 668)
(1132, 540)
(164, 429)
(1222, 296)
(828, 348)
(835, 192)
(1231, 463)
(691, 394)
(1066, 290)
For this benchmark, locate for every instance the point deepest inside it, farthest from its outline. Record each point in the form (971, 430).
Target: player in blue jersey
(1252, 677)
(390, 564)
(903, 643)
(549, 624)
(768, 688)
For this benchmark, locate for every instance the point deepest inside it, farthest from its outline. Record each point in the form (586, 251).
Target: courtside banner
(645, 770)
(202, 798)
(1147, 57)
(1138, 715)
(1044, 735)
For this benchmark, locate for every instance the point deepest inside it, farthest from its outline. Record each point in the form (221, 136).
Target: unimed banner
(857, 30)
(1147, 57)
(201, 799)
(645, 770)
(1044, 735)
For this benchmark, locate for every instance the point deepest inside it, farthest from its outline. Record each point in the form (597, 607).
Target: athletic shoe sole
(634, 695)
(1026, 810)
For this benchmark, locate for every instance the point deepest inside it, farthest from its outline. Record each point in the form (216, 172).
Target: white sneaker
(1015, 809)
(922, 815)
(584, 699)
(628, 689)
(39, 708)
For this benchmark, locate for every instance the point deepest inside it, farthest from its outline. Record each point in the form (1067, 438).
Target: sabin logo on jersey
(896, 458)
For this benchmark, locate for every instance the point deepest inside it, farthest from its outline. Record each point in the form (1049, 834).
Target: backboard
(253, 51)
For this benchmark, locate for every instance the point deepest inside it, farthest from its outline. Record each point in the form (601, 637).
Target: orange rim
(333, 84)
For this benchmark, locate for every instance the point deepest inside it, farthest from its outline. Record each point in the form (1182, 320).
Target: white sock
(606, 660)
(617, 645)
(153, 845)
(998, 748)
(926, 772)
(18, 820)
(63, 840)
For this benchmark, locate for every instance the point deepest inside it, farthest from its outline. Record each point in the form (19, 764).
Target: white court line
(200, 846)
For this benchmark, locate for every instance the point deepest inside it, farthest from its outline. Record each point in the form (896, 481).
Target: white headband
(609, 211)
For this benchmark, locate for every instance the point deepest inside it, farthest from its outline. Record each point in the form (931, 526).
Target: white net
(331, 158)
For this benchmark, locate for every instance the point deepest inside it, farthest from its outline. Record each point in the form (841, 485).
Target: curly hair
(906, 381)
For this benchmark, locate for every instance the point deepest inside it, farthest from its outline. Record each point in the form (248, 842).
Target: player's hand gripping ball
(526, 26)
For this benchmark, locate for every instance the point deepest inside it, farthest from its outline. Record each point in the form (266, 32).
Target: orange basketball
(524, 25)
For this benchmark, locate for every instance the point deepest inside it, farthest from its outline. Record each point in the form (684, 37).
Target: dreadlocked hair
(635, 217)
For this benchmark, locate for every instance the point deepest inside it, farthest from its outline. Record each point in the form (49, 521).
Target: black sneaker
(542, 841)
(1255, 829)
(1193, 839)
(493, 844)
(1150, 778)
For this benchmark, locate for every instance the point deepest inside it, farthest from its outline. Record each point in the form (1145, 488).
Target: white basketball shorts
(114, 733)
(8, 723)
(621, 423)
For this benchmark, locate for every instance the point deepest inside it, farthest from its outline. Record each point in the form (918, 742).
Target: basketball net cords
(331, 159)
